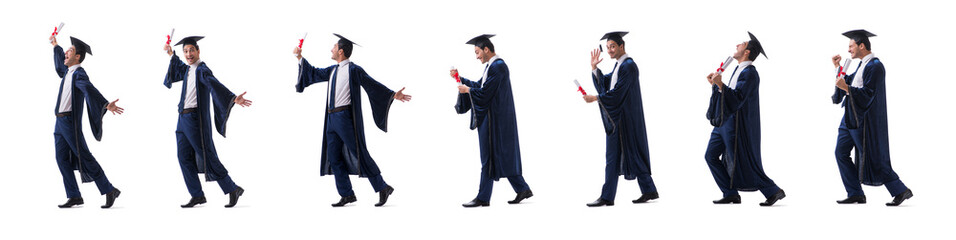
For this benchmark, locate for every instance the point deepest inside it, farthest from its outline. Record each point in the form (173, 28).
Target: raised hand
(836, 60)
(595, 58)
(168, 49)
(53, 40)
(113, 108)
(589, 98)
(242, 101)
(298, 53)
(401, 96)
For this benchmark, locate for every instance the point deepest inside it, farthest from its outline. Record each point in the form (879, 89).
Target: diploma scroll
(724, 65)
(56, 30)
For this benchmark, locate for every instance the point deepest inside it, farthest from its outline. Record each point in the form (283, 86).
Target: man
(864, 125)
(344, 151)
(72, 153)
(622, 111)
(493, 113)
(194, 144)
(733, 153)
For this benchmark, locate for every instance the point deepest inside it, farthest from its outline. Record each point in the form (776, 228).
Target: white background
(431, 157)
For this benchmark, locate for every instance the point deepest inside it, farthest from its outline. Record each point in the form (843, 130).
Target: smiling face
(192, 53)
(614, 50)
(857, 50)
(71, 57)
(483, 54)
(337, 53)
(742, 53)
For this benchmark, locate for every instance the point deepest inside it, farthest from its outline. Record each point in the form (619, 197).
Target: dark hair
(617, 39)
(862, 40)
(754, 50)
(485, 43)
(82, 55)
(195, 45)
(346, 47)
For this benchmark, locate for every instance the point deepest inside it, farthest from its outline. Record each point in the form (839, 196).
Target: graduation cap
(341, 38)
(617, 37)
(859, 33)
(480, 39)
(755, 45)
(191, 40)
(81, 47)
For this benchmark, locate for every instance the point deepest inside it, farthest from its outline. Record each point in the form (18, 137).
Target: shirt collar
(196, 64)
(867, 58)
(344, 62)
(622, 58)
(493, 59)
(74, 67)
(744, 64)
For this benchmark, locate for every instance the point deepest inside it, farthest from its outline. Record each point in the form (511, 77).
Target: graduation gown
(492, 107)
(83, 90)
(380, 98)
(865, 114)
(209, 91)
(738, 111)
(624, 117)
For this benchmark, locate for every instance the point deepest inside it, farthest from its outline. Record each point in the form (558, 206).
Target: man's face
(192, 54)
(482, 55)
(856, 50)
(742, 51)
(614, 50)
(71, 57)
(336, 53)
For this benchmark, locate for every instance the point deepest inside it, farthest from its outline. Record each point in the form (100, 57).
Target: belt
(339, 109)
(64, 114)
(188, 110)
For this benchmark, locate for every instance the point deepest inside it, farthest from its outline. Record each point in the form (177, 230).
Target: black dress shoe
(71, 202)
(600, 202)
(898, 199)
(345, 200)
(234, 196)
(646, 197)
(476, 203)
(111, 197)
(194, 201)
(521, 196)
(735, 199)
(383, 195)
(853, 199)
(774, 198)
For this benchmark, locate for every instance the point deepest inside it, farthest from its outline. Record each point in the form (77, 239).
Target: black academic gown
(83, 90)
(738, 111)
(380, 98)
(222, 101)
(865, 114)
(625, 115)
(493, 112)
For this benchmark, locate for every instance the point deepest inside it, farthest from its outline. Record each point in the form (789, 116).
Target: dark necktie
(335, 74)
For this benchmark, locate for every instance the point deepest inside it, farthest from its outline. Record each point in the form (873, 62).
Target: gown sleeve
(309, 75)
(95, 103)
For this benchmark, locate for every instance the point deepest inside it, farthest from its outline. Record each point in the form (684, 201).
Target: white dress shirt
(191, 99)
(342, 90)
(736, 74)
(484, 75)
(858, 78)
(66, 95)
